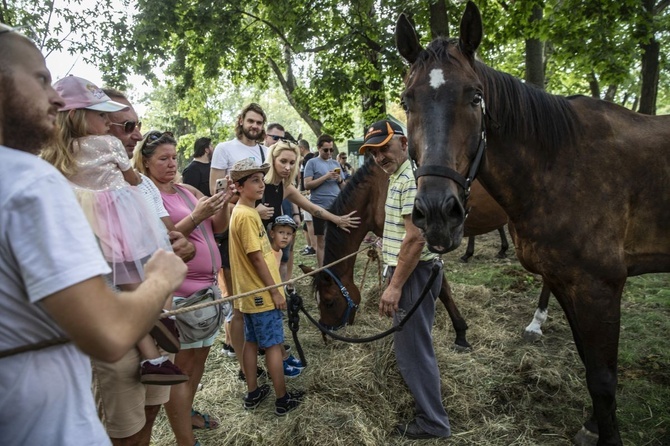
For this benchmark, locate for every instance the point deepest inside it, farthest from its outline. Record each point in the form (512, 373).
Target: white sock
(156, 361)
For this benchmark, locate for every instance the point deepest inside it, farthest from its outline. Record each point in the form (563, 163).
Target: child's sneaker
(228, 350)
(163, 374)
(288, 402)
(290, 371)
(294, 362)
(260, 374)
(166, 335)
(260, 394)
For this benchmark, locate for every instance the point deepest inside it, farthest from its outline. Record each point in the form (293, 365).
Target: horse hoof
(467, 348)
(465, 259)
(531, 336)
(501, 255)
(585, 438)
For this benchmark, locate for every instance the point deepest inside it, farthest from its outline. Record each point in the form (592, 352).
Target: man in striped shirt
(409, 265)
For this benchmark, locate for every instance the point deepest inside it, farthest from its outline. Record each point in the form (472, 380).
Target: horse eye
(477, 99)
(404, 106)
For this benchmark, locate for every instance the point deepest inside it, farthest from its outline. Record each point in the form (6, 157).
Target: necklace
(277, 187)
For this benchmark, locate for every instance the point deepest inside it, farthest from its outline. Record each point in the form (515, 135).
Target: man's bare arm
(106, 325)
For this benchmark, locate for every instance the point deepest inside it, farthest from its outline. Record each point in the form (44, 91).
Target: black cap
(379, 134)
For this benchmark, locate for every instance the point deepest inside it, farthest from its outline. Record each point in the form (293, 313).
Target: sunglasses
(276, 137)
(155, 136)
(328, 150)
(129, 126)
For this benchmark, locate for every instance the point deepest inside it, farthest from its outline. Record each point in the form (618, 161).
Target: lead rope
(296, 306)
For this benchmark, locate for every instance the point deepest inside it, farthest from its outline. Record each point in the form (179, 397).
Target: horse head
(443, 99)
(337, 298)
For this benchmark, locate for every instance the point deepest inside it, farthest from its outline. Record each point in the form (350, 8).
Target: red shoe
(165, 374)
(166, 335)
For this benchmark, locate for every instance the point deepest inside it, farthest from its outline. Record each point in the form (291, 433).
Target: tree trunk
(610, 93)
(289, 85)
(439, 19)
(373, 94)
(594, 85)
(535, 55)
(650, 67)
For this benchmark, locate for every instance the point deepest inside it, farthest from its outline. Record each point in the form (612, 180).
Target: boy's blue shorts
(265, 329)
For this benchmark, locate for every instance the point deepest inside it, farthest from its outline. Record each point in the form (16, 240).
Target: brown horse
(583, 181)
(366, 194)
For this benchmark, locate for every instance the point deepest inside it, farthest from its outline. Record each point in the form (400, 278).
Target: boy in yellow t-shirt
(253, 266)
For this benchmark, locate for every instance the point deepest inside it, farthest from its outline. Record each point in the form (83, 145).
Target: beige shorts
(121, 397)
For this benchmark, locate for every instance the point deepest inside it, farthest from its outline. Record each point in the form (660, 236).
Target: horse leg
(593, 310)
(504, 245)
(470, 250)
(460, 326)
(533, 331)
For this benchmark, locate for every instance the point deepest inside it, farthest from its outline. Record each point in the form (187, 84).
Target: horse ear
(471, 30)
(305, 269)
(406, 39)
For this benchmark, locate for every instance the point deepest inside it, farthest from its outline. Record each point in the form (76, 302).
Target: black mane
(343, 204)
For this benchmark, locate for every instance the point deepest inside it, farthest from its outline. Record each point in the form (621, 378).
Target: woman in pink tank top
(198, 217)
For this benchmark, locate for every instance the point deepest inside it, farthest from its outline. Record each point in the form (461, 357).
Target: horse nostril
(455, 210)
(418, 214)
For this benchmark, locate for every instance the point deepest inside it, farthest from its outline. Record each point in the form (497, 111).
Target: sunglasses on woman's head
(155, 136)
(129, 126)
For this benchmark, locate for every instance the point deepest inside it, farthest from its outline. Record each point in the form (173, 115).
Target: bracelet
(296, 213)
(193, 219)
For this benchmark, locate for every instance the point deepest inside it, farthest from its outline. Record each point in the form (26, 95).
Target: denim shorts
(265, 329)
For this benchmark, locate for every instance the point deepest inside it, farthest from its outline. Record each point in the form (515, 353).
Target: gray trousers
(415, 354)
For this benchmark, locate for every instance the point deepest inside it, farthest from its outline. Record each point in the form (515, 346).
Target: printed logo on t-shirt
(258, 301)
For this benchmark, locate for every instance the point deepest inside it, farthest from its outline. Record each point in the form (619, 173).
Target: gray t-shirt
(46, 246)
(325, 194)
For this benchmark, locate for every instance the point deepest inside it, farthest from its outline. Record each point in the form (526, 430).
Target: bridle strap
(440, 171)
(350, 302)
(448, 172)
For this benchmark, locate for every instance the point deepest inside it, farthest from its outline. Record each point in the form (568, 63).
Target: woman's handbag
(198, 325)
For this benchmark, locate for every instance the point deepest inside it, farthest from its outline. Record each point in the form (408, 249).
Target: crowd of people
(147, 243)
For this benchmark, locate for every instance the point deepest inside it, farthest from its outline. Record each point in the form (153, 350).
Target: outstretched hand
(348, 221)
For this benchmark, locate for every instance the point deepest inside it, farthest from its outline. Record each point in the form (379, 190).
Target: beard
(22, 125)
(251, 134)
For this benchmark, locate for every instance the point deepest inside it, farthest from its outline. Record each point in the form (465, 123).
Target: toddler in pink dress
(99, 170)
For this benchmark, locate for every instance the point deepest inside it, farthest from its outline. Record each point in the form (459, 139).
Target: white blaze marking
(436, 78)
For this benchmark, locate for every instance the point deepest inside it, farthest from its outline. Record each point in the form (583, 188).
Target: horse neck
(527, 129)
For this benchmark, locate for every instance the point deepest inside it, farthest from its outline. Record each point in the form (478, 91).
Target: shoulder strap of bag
(191, 206)
(260, 147)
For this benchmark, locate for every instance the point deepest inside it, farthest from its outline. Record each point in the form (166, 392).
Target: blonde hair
(146, 148)
(275, 149)
(61, 150)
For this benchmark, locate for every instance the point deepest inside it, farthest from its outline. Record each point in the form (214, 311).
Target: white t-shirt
(46, 245)
(226, 154)
(152, 196)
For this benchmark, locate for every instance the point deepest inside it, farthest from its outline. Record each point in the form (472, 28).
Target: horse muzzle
(440, 216)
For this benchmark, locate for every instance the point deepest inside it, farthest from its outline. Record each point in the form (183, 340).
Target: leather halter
(350, 303)
(448, 172)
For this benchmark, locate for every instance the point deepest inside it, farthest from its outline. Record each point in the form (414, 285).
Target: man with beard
(197, 172)
(55, 306)
(248, 131)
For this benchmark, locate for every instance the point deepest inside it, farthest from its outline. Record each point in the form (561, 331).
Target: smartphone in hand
(221, 185)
